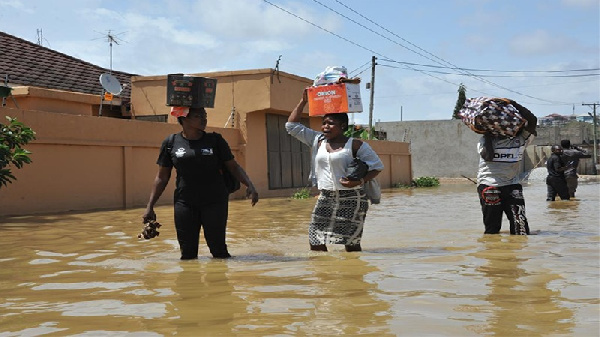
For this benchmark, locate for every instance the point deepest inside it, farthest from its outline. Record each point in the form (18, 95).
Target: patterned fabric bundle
(330, 75)
(494, 115)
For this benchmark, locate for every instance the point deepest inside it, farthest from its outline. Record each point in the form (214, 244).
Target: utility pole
(373, 63)
(595, 136)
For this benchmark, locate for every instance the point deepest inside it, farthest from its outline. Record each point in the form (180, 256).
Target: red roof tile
(29, 64)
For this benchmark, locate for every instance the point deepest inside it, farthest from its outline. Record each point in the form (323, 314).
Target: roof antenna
(110, 84)
(276, 70)
(111, 38)
(41, 38)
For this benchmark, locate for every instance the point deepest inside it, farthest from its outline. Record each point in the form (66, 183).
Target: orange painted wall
(32, 98)
(88, 162)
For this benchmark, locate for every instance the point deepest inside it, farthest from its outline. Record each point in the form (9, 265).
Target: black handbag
(231, 182)
(357, 170)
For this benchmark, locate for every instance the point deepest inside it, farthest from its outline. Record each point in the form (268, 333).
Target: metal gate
(288, 158)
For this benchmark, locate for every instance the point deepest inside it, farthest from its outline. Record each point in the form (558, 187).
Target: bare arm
(297, 112)
(241, 175)
(160, 183)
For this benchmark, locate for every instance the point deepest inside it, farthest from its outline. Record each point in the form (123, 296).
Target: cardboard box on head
(191, 91)
(334, 98)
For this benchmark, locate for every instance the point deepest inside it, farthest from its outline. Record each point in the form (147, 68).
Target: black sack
(231, 182)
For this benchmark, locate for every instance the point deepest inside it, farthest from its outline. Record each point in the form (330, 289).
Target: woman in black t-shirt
(201, 198)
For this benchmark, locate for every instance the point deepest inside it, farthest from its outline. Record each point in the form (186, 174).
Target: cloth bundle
(331, 74)
(498, 116)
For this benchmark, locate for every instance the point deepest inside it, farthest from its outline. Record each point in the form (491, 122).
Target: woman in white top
(339, 214)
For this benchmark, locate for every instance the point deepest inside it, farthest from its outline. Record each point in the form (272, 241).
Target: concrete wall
(89, 162)
(577, 132)
(74, 103)
(447, 148)
(444, 148)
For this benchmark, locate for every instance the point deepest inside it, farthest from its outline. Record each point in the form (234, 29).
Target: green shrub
(426, 182)
(12, 136)
(303, 193)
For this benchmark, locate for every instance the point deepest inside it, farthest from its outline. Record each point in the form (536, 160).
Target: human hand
(305, 95)
(349, 183)
(251, 193)
(149, 215)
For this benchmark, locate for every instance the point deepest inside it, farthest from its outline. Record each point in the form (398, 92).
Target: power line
(506, 76)
(496, 71)
(405, 65)
(420, 54)
(361, 46)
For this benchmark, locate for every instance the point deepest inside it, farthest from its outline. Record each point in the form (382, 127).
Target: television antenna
(111, 38)
(110, 83)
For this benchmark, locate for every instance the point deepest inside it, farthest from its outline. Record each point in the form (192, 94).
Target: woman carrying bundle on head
(506, 128)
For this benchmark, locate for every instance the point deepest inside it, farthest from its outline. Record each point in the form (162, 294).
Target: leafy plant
(12, 136)
(357, 131)
(426, 182)
(303, 193)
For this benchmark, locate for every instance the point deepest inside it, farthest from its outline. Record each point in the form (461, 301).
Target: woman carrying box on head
(339, 214)
(201, 197)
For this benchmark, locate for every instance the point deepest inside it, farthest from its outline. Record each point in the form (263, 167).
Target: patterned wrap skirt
(338, 217)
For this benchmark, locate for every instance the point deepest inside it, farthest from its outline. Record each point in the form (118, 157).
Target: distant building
(554, 119)
(585, 118)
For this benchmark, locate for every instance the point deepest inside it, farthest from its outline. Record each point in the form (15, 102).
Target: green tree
(12, 136)
(358, 132)
(462, 97)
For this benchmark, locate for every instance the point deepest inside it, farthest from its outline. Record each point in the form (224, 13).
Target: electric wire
(406, 64)
(510, 76)
(363, 47)
(492, 70)
(420, 54)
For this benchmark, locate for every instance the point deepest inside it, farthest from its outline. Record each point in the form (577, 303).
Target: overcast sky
(545, 54)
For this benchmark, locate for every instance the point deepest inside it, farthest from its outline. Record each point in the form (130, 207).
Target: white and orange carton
(334, 98)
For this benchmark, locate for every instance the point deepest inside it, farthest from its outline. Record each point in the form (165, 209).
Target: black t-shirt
(198, 164)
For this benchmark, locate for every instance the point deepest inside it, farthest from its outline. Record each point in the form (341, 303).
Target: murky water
(426, 270)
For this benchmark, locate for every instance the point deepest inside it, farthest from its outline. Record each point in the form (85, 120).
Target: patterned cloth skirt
(338, 217)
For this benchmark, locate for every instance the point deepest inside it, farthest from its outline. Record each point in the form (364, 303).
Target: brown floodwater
(426, 270)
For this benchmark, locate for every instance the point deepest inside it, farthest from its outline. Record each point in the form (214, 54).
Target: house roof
(30, 64)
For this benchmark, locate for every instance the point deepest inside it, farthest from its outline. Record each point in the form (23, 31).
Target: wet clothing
(338, 217)
(499, 186)
(311, 138)
(506, 199)
(200, 198)
(339, 214)
(555, 181)
(571, 158)
(505, 164)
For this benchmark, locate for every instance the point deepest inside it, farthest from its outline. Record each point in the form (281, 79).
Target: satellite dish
(110, 84)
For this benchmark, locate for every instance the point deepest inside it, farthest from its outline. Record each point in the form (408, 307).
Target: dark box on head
(191, 91)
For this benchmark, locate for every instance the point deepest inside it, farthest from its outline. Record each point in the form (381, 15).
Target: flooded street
(426, 270)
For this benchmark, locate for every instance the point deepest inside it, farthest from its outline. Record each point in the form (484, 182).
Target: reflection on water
(426, 269)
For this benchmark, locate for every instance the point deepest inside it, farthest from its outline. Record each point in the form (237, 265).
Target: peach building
(88, 158)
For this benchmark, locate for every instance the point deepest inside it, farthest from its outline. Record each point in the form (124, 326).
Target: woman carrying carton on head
(339, 214)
